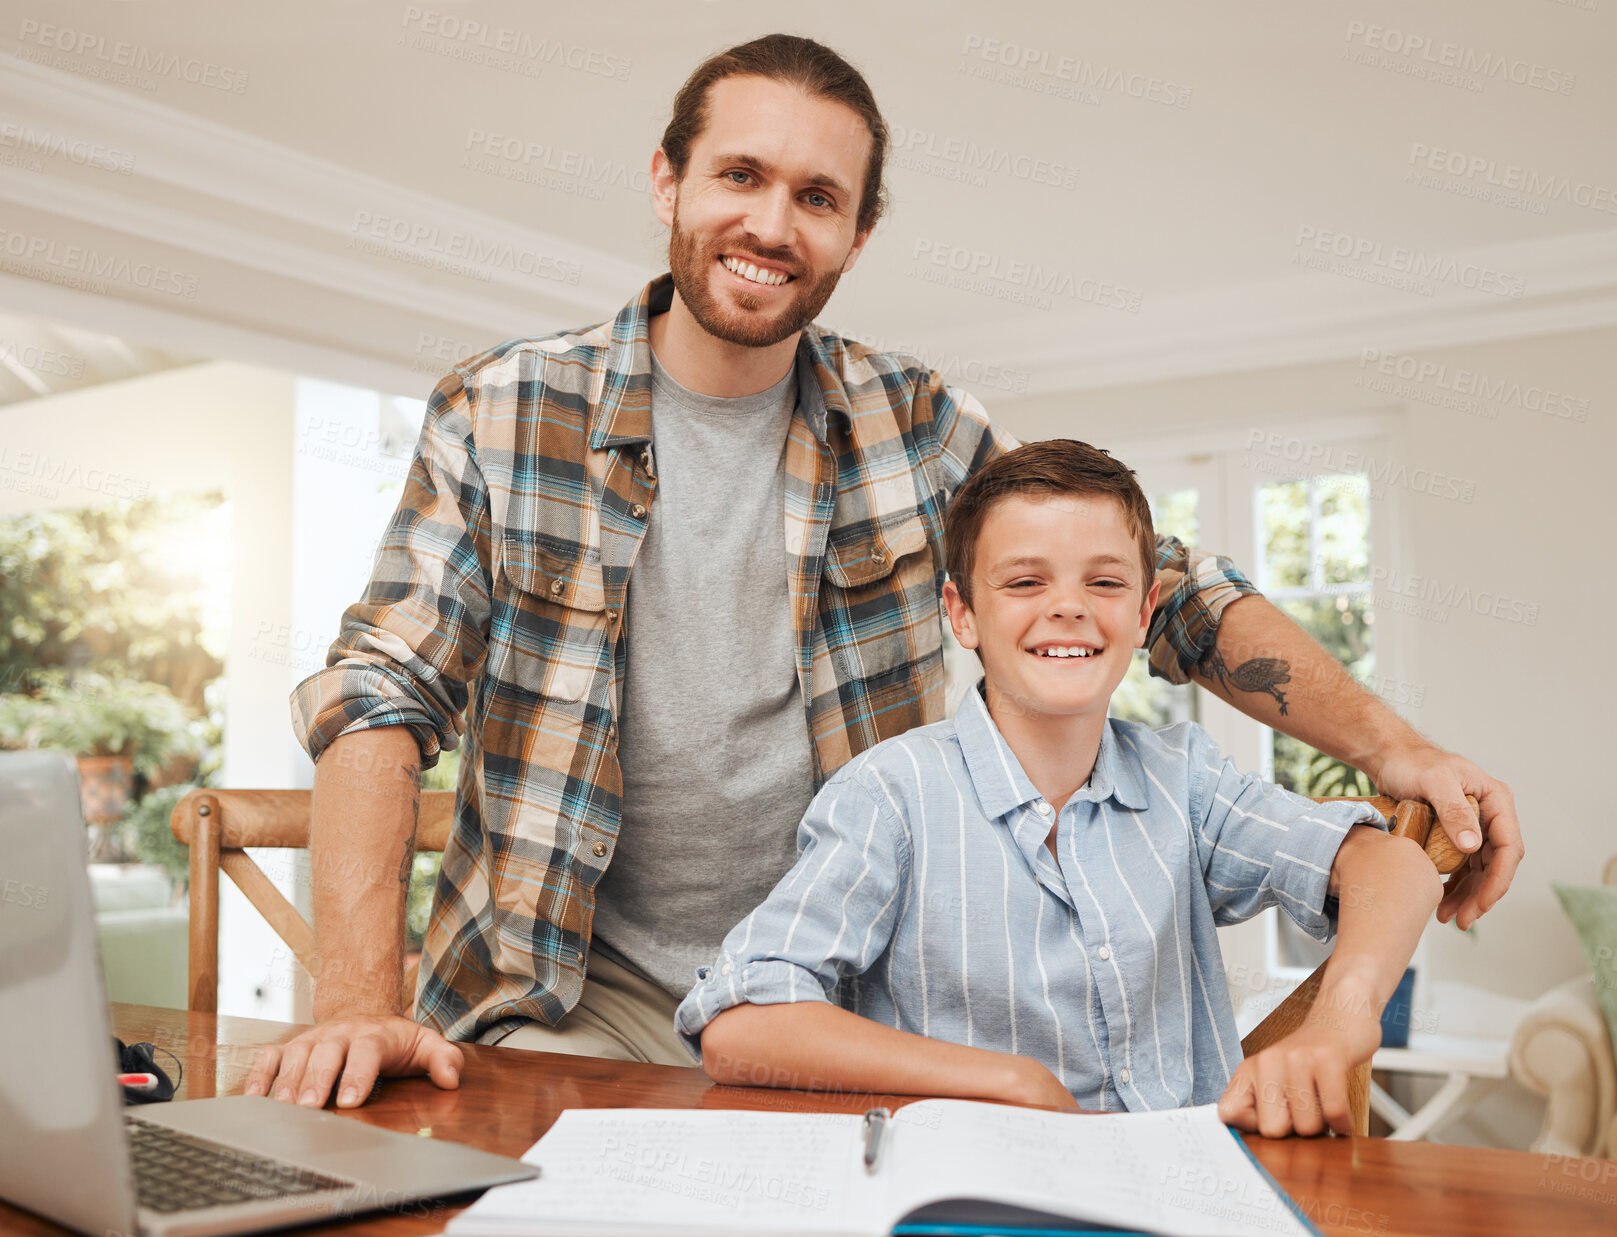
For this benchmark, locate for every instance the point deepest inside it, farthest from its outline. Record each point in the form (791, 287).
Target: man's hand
(1300, 1085)
(1444, 779)
(303, 1069)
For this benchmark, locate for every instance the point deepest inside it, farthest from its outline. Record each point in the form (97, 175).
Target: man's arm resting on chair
(1386, 889)
(813, 1046)
(361, 842)
(1272, 670)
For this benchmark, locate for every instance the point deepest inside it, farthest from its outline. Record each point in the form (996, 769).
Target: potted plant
(117, 728)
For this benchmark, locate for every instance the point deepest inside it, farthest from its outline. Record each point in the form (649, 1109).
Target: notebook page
(631, 1171)
(1178, 1171)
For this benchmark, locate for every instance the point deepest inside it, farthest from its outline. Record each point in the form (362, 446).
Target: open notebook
(942, 1166)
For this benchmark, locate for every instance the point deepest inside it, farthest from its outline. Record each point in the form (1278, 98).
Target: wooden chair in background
(1410, 819)
(218, 824)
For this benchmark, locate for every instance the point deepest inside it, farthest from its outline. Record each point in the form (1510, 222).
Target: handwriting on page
(690, 1170)
(1177, 1172)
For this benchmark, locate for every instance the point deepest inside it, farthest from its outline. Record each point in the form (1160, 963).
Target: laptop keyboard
(177, 1172)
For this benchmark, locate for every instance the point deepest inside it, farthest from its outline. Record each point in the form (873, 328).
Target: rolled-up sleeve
(1263, 846)
(1196, 586)
(408, 649)
(830, 917)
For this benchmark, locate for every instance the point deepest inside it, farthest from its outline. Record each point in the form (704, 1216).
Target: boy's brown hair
(1044, 469)
(813, 68)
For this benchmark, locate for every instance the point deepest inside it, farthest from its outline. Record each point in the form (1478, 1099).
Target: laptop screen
(62, 1149)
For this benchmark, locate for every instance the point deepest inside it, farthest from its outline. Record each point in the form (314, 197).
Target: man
(587, 562)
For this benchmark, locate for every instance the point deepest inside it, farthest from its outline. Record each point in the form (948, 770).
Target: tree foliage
(102, 589)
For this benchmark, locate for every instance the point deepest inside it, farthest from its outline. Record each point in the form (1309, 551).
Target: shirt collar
(623, 410)
(1000, 782)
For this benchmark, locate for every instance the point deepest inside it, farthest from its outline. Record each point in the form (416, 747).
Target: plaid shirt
(498, 595)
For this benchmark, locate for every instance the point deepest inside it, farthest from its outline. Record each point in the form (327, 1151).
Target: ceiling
(1143, 191)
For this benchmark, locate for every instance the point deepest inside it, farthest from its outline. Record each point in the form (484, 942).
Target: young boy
(1020, 903)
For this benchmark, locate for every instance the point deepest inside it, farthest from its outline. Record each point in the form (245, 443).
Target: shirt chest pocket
(551, 620)
(879, 601)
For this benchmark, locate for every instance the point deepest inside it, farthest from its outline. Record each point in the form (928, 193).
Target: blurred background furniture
(1562, 1050)
(1467, 1045)
(142, 934)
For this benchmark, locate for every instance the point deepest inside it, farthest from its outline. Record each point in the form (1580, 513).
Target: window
(1140, 697)
(1314, 563)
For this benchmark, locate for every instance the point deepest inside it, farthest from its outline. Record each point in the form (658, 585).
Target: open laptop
(70, 1151)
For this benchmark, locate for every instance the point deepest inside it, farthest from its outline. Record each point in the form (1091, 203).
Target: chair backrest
(217, 824)
(1411, 819)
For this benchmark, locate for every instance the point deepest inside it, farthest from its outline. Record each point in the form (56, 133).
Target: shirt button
(645, 459)
(726, 969)
(599, 849)
(638, 511)
(1042, 808)
(556, 586)
(611, 616)
(1105, 955)
(1123, 1076)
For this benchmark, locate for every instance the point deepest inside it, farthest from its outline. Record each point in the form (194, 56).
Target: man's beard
(691, 268)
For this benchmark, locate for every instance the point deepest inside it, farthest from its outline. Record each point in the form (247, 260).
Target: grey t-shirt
(713, 739)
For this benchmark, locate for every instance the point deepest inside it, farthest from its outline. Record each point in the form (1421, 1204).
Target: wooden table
(508, 1098)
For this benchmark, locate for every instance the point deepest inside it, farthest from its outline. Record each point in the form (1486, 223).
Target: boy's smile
(1059, 604)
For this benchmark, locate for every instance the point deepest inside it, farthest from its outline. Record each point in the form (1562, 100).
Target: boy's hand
(1300, 1085)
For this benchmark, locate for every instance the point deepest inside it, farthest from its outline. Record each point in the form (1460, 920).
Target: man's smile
(753, 272)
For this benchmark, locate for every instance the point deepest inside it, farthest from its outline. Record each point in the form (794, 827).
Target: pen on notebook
(875, 1126)
(138, 1082)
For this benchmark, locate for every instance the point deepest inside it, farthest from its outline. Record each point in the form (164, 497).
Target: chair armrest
(1562, 1050)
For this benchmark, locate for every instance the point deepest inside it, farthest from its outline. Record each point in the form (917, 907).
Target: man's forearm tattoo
(1261, 674)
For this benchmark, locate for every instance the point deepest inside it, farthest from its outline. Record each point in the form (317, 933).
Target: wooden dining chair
(1410, 818)
(218, 824)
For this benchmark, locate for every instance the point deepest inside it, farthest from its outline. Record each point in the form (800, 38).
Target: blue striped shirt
(924, 897)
